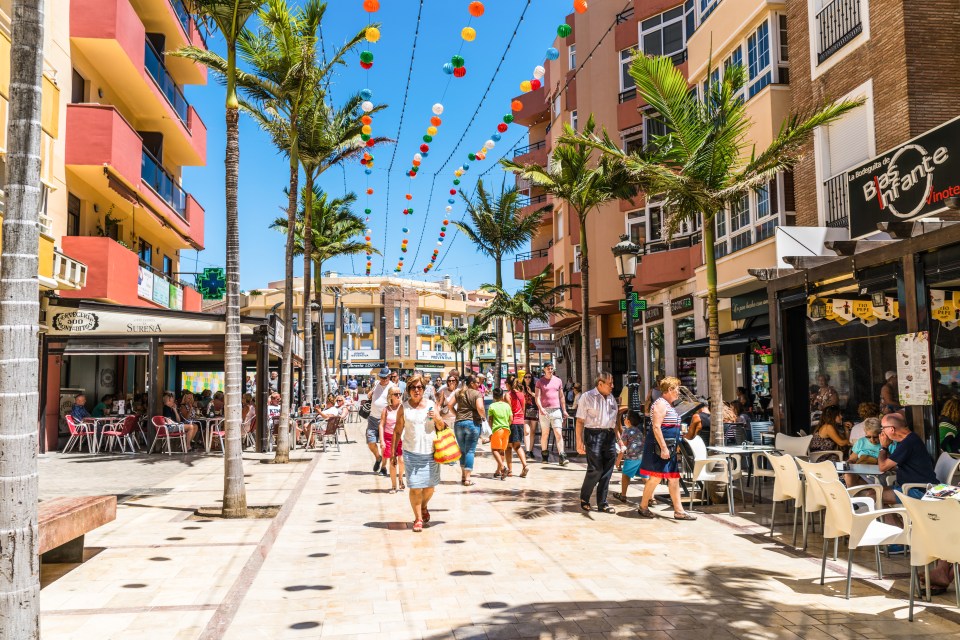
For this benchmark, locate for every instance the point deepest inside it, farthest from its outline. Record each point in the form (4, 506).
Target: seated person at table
(206, 397)
(829, 435)
(910, 458)
(866, 450)
(949, 420)
(188, 410)
(273, 405)
(103, 407)
(175, 423)
(79, 410)
(330, 410)
(864, 410)
(249, 414)
(216, 405)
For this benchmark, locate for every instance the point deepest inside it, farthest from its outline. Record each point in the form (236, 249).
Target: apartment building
(122, 209)
(376, 321)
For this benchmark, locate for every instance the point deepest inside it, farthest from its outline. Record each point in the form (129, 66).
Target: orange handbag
(445, 449)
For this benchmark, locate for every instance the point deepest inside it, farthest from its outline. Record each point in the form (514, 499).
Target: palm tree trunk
(307, 263)
(19, 315)
(324, 366)
(513, 343)
(526, 343)
(283, 431)
(234, 491)
(585, 345)
(714, 381)
(498, 330)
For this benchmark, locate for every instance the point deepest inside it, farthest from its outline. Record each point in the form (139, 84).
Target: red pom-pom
(459, 72)
(366, 65)
(535, 84)
(502, 127)
(424, 148)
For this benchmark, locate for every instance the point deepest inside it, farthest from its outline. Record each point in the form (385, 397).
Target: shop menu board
(913, 368)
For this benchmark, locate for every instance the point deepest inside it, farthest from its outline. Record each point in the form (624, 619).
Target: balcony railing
(678, 242)
(837, 24)
(530, 255)
(163, 183)
(628, 95)
(526, 201)
(836, 195)
(154, 64)
(186, 19)
(357, 328)
(530, 147)
(69, 273)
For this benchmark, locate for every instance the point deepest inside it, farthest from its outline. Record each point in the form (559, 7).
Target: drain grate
(139, 492)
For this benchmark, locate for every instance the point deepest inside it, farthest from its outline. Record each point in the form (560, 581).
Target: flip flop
(417, 526)
(683, 516)
(523, 474)
(607, 509)
(584, 506)
(468, 483)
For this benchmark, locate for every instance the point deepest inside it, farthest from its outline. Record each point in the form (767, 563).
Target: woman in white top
(417, 424)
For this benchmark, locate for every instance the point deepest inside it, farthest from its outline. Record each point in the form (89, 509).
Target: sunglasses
(416, 387)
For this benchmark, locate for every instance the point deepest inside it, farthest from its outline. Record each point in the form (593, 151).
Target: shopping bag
(445, 449)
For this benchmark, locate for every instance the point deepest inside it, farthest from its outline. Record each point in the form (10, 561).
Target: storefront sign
(654, 313)
(436, 356)
(749, 305)
(843, 311)
(945, 307)
(66, 321)
(683, 304)
(145, 283)
(913, 369)
(908, 182)
(542, 346)
(363, 354)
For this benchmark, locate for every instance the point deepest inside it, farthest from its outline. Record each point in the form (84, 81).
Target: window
(740, 214)
(406, 318)
(406, 345)
(457, 322)
(438, 347)
(763, 202)
(396, 345)
(848, 140)
(653, 127)
(758, 60)
(559, 224)
(576, 259)
(665, 34)
(146, 252)
(573, 120)
(720, 224)
(655, 216)
(73, 215)
(168, 266)
(784, 49)
(707, 7)
(424, 345)
(834, 24)
(572, 57)
(396, 319)
(637, 226)
(626, 80)
(556, 105)
(438, 321)
(634, 143)
(329, 348)
(366, 317)
(425, 319)
(560, 282)
(366, 345)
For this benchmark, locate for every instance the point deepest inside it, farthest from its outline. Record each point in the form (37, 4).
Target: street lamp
(627, 254)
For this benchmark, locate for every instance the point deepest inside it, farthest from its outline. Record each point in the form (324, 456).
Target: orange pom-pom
(580, 6)
(435, 121)
(516, 105)
(366, 119)
(371, 6)
(476, 8)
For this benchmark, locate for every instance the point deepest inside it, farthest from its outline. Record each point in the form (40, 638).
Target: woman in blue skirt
(665, 432)
(417, 425)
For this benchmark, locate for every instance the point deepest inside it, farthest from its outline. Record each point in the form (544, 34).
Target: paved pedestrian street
(501, 559)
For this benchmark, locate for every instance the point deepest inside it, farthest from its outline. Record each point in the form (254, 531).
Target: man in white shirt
(598, 433)
(379, 396)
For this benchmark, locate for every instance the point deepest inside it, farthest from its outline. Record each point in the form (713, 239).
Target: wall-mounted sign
(70, 321)
(913, 369)
(363, 354)
(683, 304)
(654, 313)
(542, 346)
(749, 305)
(161, 291)
(145, 283)
(436, 356)
(844, 310)
(907, 182)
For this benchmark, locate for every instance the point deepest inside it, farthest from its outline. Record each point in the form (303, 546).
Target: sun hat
(384, 373)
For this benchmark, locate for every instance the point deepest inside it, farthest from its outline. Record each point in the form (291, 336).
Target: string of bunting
(372, 35)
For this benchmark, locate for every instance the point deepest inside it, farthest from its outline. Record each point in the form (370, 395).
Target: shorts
(631, 468)
(498, 441)
(551, 418)
(516, 433)
(915, 492)
(373, 430)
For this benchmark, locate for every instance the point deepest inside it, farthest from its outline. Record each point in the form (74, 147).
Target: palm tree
(585, 185)
(477, 335)
(20, 577)
(229, 18)
(497, 228)
(705, 162)
(456, 337)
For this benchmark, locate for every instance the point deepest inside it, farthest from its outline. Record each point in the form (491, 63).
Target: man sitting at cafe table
(910, 458)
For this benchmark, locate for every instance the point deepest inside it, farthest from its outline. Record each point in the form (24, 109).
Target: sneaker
(544, 457)
(563, 460)
(383, 471)
(896, 549)
(376, 465)
(530, 456)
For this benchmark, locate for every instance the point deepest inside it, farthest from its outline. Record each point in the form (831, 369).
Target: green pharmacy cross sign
(635, 303)
(212, 283)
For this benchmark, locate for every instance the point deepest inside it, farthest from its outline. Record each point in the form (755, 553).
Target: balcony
(527, 265)
(110, 35)
(534, 153)
(103, 151)
(837, 24)
(116, 275)
(539, 199)
(429, 330)
(180, 29)
(666, 263)
(70, 274)
(357, 328)
(535, 108)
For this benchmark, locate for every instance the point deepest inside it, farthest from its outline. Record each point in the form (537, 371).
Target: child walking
(501, 415)
(632, 452)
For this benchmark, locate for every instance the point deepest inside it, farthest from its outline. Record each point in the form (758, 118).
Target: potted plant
(765, 354)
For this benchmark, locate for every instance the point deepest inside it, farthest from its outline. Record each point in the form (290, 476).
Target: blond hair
(668, 384)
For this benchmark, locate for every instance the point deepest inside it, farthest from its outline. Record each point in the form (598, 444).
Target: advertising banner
(907, 182)
(145, 283)
(176, 297)
(161, 291)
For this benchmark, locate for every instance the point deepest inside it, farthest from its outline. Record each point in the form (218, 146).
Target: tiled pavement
(505, 559)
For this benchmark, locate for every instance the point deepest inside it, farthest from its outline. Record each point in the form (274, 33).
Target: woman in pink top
(388, 422)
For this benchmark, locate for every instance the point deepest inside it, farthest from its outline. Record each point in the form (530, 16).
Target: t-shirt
(550, 391)
(633, 442)
(100, 410)
(379, 398)
(914, 464)
(864, 447)
(171, 413)
(467, 405)
(500, 415)
(79, 412)
(517, 403)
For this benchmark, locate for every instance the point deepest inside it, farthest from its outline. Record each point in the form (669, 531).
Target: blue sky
(264, 173)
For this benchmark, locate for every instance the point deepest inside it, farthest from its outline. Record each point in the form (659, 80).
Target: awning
(731, 343)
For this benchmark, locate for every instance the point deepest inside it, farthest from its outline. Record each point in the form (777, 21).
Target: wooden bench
(64, 521)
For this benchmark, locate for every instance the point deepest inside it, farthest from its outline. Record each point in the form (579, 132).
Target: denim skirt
(421, 469)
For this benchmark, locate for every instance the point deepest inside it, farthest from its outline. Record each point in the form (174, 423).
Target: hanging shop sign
(543, 346)
(908, 182)
(683, 304)
(867, 312)
(945, 307)
(749, 305)
(73, 321)
(654, 313)
(913, 369)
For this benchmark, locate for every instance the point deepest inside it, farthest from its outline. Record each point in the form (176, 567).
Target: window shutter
(847, 143)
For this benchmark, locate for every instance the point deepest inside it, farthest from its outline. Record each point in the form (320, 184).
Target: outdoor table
(98, 424)
(861, 469)
(206, 429)
(729, 452)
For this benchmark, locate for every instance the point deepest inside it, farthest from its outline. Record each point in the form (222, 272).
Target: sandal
(417, 526)
(426, 514)
(683, 516)
(646, 513)
(584, 506)
(467, 483)
(607, 509)
(392, 490)
(504, 474)
(523, 474)
(619, 496)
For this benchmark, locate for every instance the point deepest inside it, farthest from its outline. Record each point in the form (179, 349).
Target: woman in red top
(517, 400)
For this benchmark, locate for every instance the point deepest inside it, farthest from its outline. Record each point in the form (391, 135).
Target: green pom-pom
(508, 118)
(456, 182)
(457, 61)
(366, 56)
(428, 138)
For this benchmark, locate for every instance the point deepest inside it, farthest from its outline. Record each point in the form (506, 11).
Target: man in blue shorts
(379, 396)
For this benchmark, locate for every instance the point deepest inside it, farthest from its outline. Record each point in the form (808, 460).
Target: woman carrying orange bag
(417, 425)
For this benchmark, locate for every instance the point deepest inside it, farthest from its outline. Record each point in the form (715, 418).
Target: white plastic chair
(933, 529)
(786, 486)
(833, 454)
(863, 529)
(713, 468)
(946, 468)
(815, 501)
(761, 470)
(792, 445)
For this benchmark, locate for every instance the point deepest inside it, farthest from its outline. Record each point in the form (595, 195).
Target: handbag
(365, 409)
(671, 446)
(445, 449)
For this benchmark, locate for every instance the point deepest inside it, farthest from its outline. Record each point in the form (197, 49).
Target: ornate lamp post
(627, 255)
